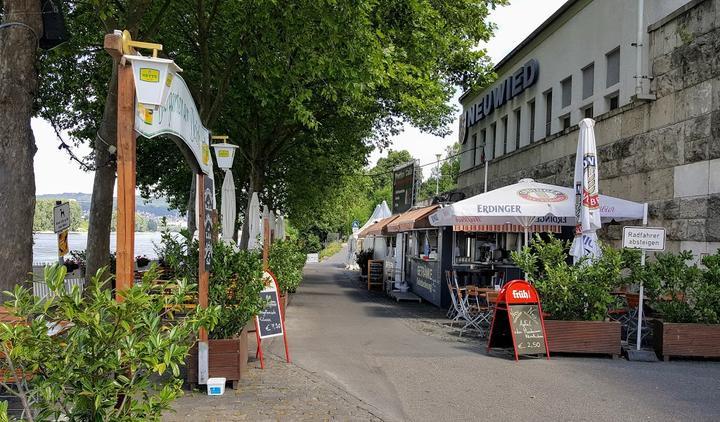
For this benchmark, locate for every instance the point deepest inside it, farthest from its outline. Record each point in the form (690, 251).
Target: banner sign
(209, 204)
(178, 118)
(403, 187)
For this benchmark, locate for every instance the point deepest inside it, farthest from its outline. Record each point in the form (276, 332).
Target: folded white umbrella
(587, 198)
(280, 230)
(253, 222)
(228, 208)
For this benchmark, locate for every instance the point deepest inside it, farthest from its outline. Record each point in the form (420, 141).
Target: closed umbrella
(280, 233)
(253, 222)
(228, 209)
(587, 197)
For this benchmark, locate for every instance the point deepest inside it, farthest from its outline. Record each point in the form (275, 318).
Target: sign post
(61, 225)
(518, 321)
(646, 239)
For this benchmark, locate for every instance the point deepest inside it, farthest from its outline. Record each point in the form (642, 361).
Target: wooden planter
(585, 337)
(686, 340)
(228, 359)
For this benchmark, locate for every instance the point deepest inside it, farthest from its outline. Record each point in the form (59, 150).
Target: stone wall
(665, 152)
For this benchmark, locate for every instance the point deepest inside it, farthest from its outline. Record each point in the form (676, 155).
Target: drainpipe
(639, 95)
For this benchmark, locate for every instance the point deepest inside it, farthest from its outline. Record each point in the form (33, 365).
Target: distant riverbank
(45, 244)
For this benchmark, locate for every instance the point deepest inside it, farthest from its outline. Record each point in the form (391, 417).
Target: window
(613, 67)
(548, 113)
(517, 129)
(493, 128)
(613, 101)
(505, 131)
(565, 121)
(566, 90)
(588, 112)
(474, 148)
(588, 74)
(532, 121)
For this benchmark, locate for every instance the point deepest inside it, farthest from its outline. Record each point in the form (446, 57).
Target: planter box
(586, 337)
(228, 359)
(686, 340)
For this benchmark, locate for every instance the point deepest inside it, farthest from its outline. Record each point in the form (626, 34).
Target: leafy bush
(235, 279)
(312, 243)
(330, 250)
(286, 260)
(572, 292)
(362, 259)
(684, 292)
(235, 285)
(89, 357)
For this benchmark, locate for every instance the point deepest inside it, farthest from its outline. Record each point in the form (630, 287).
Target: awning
(413, 219)
(379, 228)
(506, 228)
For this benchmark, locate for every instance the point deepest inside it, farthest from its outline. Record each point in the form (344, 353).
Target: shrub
(362, 259)
(312, 243)
(286, 260)
(572, 292)
(330, 250)
(93, 358)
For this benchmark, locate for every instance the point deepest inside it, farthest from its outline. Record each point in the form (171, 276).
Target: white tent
(529, 203)
(254, 223)
(381, 211)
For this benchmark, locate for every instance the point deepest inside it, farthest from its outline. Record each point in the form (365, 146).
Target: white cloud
(514, 23)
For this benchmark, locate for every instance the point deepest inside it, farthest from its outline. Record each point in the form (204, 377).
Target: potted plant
(286, 260)
(362, 259)
(142, 261)
(576, 298)
(686, 299)
(234, 286)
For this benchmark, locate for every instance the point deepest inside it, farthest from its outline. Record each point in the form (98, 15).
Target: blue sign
(355, 225)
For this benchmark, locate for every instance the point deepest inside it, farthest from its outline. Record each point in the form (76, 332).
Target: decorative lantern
(153, 76)
(224, 152)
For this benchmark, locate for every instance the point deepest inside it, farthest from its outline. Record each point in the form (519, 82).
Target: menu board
(527, 329)
(269, 320)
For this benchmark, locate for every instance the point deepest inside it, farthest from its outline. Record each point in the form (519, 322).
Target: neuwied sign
(522, 79)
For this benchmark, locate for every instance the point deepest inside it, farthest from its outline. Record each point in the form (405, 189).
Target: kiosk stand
(518, 321)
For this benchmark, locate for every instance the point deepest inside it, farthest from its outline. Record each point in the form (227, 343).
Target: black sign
(511, 87)
(527, 329)
(425, 281)
(269, 322)
(208, 202)
(403, 187)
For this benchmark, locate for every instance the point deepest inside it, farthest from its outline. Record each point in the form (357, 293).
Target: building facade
(656, 107)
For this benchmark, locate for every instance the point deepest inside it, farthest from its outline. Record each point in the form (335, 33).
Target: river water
(45, 244)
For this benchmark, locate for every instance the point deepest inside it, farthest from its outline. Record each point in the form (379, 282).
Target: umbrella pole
(642, 290)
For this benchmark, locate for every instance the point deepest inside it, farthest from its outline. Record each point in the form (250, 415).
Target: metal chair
(453, 312)
(468, 311)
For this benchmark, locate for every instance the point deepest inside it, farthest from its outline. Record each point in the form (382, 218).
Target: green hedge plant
(286, 259)
(89, 357)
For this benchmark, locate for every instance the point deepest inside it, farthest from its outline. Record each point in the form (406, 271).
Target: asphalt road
(401, 363)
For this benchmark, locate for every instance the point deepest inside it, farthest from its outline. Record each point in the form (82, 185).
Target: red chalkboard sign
(518, 321)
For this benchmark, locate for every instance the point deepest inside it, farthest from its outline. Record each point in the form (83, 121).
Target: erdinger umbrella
(587, 198)
(529, 203)
(253, 222)
(228, 209)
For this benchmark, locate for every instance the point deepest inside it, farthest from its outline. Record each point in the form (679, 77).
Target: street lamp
(437, 175)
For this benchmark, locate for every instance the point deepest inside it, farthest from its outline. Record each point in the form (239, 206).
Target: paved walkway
(358, 356)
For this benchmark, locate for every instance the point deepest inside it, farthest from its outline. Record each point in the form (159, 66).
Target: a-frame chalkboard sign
(269, 322)
(518, 321)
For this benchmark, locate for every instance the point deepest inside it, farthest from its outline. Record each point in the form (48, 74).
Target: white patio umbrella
(587, 197)
(273, 225)
(228, 209)
(280, 230)
(253, 222)
(265, 213)
(529, 203)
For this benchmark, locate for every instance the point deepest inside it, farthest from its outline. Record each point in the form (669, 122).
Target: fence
(40, 288)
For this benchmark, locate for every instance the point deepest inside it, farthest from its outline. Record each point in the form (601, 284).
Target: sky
(56, 173)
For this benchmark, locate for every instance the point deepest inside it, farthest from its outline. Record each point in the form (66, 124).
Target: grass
(330, 250)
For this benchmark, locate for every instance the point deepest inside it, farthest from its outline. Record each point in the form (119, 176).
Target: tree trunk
(256, 185)
(18, 87)
(191, 223)
(101, 204)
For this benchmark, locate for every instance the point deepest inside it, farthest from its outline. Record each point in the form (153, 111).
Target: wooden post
(266, 242)
(125, 179)
(203, 278)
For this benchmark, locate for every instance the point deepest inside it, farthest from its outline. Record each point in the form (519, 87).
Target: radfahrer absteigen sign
(179, 119)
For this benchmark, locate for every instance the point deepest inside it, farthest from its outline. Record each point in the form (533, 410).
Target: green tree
(449, 170)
